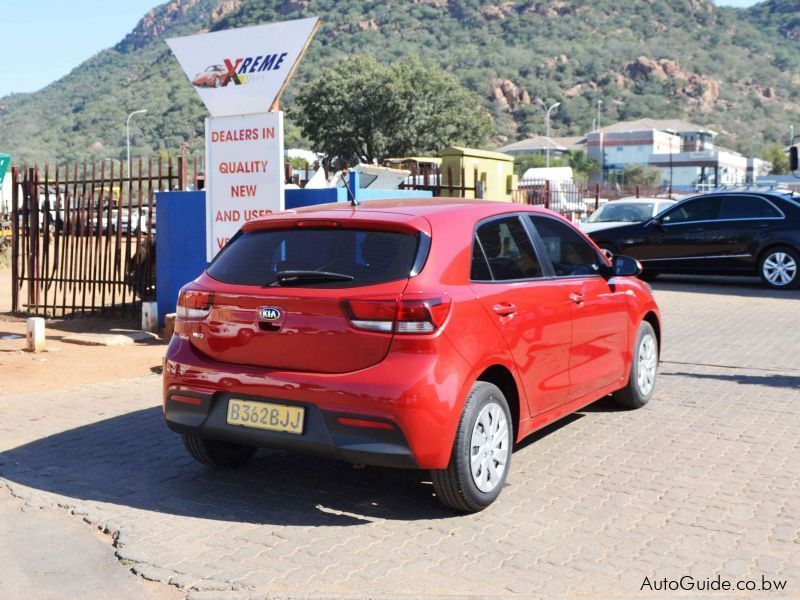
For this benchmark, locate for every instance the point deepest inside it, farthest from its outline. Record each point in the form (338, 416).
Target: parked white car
(624, 212)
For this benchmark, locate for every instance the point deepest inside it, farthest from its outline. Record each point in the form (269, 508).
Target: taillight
(194, 302)
(406, 314)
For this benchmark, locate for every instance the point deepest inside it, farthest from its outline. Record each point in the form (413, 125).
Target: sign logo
(240, 71)
(269, 313)
(252, 64)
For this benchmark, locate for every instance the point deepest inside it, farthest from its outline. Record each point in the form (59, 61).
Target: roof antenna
(350, 195)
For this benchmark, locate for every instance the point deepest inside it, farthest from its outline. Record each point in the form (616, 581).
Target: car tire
(215, 454)
(460, 486)
(779, 268)
(644, 367)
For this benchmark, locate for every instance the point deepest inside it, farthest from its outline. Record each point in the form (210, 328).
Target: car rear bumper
(407, 406)
(323, 434)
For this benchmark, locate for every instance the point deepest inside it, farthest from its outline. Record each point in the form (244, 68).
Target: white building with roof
(685, 153)
(539, 144)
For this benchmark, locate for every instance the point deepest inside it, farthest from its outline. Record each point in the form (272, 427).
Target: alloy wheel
(779, 268)
(647, 359)
(489, 447)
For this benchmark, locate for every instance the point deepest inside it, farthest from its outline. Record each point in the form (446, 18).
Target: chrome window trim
(697, 257)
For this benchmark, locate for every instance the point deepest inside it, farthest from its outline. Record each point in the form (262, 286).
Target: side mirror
(794, 158)
(625, 266)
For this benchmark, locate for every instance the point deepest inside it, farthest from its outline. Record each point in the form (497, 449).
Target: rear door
(263, 317)
(530, 310)
(599, 313)
(743, 220)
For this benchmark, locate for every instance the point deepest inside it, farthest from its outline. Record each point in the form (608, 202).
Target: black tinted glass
(369, 257)
(746, 207)
(479, 271)
(702, 209)
(508, 249)
(570, 254)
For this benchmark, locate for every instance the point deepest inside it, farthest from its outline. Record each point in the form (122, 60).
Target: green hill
(735, 70)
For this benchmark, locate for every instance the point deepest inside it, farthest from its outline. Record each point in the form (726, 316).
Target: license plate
(263, 415)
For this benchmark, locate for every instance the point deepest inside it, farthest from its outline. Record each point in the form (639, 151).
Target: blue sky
(43, 40)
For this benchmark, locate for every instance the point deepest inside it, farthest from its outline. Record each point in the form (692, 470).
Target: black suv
(717, 233)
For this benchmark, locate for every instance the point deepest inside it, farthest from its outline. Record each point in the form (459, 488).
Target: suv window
(570, 254)
(747, 207)
(700, 209)
(508, 249)
(369, 257)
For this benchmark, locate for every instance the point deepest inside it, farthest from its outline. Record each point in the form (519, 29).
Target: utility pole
(597, 119)
(128, 135)
(547, 127)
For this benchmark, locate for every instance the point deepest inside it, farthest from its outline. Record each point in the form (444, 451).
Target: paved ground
(704, 481)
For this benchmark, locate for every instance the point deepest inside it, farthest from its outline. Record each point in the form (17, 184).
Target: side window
(479, 271)
(570, 254)
(700, 209)
(508, 249)
(747, 207)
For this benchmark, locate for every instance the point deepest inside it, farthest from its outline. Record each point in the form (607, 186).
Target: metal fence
(448, 183)
(83, 235)
(578, 199)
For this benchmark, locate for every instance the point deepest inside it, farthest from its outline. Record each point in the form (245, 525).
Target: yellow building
(486, 174)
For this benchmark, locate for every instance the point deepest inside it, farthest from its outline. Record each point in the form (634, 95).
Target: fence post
(181, 173)
(15, 239)
(637, 191)
(547, 193)
(596, 196)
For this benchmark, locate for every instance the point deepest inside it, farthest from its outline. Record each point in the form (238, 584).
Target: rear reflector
(407, 314)
(367, 423)
(186, 399)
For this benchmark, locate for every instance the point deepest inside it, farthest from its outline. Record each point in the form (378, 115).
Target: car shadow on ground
(791, 382)
(134, 460)
(747, 287)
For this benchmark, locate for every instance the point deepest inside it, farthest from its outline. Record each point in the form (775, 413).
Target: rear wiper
(300, 277)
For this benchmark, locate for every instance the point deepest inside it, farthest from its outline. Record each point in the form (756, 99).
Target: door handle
(577, 298)
(504, 309)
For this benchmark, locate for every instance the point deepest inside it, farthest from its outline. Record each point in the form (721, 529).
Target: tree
(778, 157)
(365, 111)
(641, 175)
(581, 163)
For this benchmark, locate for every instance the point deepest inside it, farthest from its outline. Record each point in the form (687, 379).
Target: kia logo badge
(269, 313)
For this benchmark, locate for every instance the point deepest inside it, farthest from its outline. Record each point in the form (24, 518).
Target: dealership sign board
(244, 173)
(243, 71)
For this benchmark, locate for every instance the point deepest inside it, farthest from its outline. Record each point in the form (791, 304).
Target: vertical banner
(244, 173)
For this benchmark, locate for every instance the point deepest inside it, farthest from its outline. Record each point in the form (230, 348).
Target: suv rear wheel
(481, 453)
(780, 268)
(219, 455)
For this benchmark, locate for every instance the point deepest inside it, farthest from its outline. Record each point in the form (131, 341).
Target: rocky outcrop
(155, 23)
(225, 8)
(506, 93)
(700, 90)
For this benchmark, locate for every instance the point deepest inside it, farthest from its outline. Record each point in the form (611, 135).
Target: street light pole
(128, 135)
(547, 135)
(599, 102)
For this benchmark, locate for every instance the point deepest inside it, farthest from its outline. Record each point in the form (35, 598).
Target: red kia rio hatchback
(426, 334)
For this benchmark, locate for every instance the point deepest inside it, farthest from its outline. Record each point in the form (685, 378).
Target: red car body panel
(560, 355)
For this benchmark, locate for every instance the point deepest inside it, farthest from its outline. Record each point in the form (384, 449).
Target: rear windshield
(369, 257)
